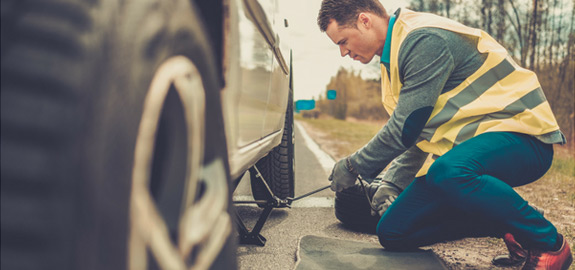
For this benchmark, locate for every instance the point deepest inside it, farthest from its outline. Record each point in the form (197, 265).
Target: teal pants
(468, 192)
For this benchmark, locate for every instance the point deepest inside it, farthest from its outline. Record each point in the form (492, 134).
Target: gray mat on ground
(317, 252)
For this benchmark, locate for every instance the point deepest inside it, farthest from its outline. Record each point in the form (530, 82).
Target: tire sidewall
(134, 43)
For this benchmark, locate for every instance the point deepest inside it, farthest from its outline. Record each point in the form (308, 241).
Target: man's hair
(345, 12)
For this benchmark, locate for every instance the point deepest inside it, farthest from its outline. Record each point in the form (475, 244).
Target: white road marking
(309, 202)
(324, 159)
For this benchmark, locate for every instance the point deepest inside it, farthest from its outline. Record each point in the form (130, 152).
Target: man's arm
(425, 64)
(402, 170)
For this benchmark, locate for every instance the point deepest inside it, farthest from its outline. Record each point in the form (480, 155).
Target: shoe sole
(567, 262)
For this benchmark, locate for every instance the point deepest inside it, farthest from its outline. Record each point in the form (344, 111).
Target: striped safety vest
(499, 96)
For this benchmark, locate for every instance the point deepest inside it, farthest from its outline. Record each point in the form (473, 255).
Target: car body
(257, 69)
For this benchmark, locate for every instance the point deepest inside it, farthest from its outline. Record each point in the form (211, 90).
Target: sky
(315, 57)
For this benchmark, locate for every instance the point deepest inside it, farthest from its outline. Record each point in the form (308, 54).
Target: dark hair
(345, 12)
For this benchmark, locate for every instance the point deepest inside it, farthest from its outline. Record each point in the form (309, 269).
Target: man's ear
(364, 20)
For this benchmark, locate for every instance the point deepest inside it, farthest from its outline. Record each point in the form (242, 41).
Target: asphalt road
(310, 216)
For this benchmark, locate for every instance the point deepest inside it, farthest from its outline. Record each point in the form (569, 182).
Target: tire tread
(41, 52)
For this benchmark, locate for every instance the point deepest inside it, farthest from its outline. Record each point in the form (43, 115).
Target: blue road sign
(304, 105)
(331, 94)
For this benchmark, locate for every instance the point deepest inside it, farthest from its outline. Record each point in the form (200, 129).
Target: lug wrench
(290, 200)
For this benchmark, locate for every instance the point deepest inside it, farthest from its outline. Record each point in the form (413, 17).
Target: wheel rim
(178, 205)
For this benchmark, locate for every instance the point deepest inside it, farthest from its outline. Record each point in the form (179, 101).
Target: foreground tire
(353, 210)
(277, 167)
(113, 155)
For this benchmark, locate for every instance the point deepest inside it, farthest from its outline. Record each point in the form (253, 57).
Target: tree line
(539, 35)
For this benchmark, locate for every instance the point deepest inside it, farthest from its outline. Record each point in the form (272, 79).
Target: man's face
(359, 43)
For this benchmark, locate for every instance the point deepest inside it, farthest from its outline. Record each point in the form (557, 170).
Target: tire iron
(290, 200)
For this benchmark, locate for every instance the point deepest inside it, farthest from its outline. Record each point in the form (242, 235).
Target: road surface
(310, 216)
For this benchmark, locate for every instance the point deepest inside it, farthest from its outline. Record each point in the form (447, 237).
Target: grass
(561, 175)
(350, 136)
(564, 164)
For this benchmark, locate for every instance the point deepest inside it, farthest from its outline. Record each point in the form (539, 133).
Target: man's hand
(384, 196)
(342, 176)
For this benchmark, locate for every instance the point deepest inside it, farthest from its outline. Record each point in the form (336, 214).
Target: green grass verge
(562, 172)
(564, 165)
(350, 136)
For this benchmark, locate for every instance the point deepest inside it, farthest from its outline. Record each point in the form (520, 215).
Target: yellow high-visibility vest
(499, 96)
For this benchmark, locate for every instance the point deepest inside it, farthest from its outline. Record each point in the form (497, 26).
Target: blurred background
(539, 34)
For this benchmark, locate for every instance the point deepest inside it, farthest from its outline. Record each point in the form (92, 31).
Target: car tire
(353, 209)
(277, 168)
(103, 107)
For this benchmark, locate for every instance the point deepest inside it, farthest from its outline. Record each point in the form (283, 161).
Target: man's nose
(343, 51)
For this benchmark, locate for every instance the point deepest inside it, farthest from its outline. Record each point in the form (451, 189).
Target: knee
(392, 239)
(395, 243)
(389, 243)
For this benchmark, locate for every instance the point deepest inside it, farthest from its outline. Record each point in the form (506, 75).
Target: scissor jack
(254, 237)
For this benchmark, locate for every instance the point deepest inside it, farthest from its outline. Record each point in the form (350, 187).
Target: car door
(256, 58)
